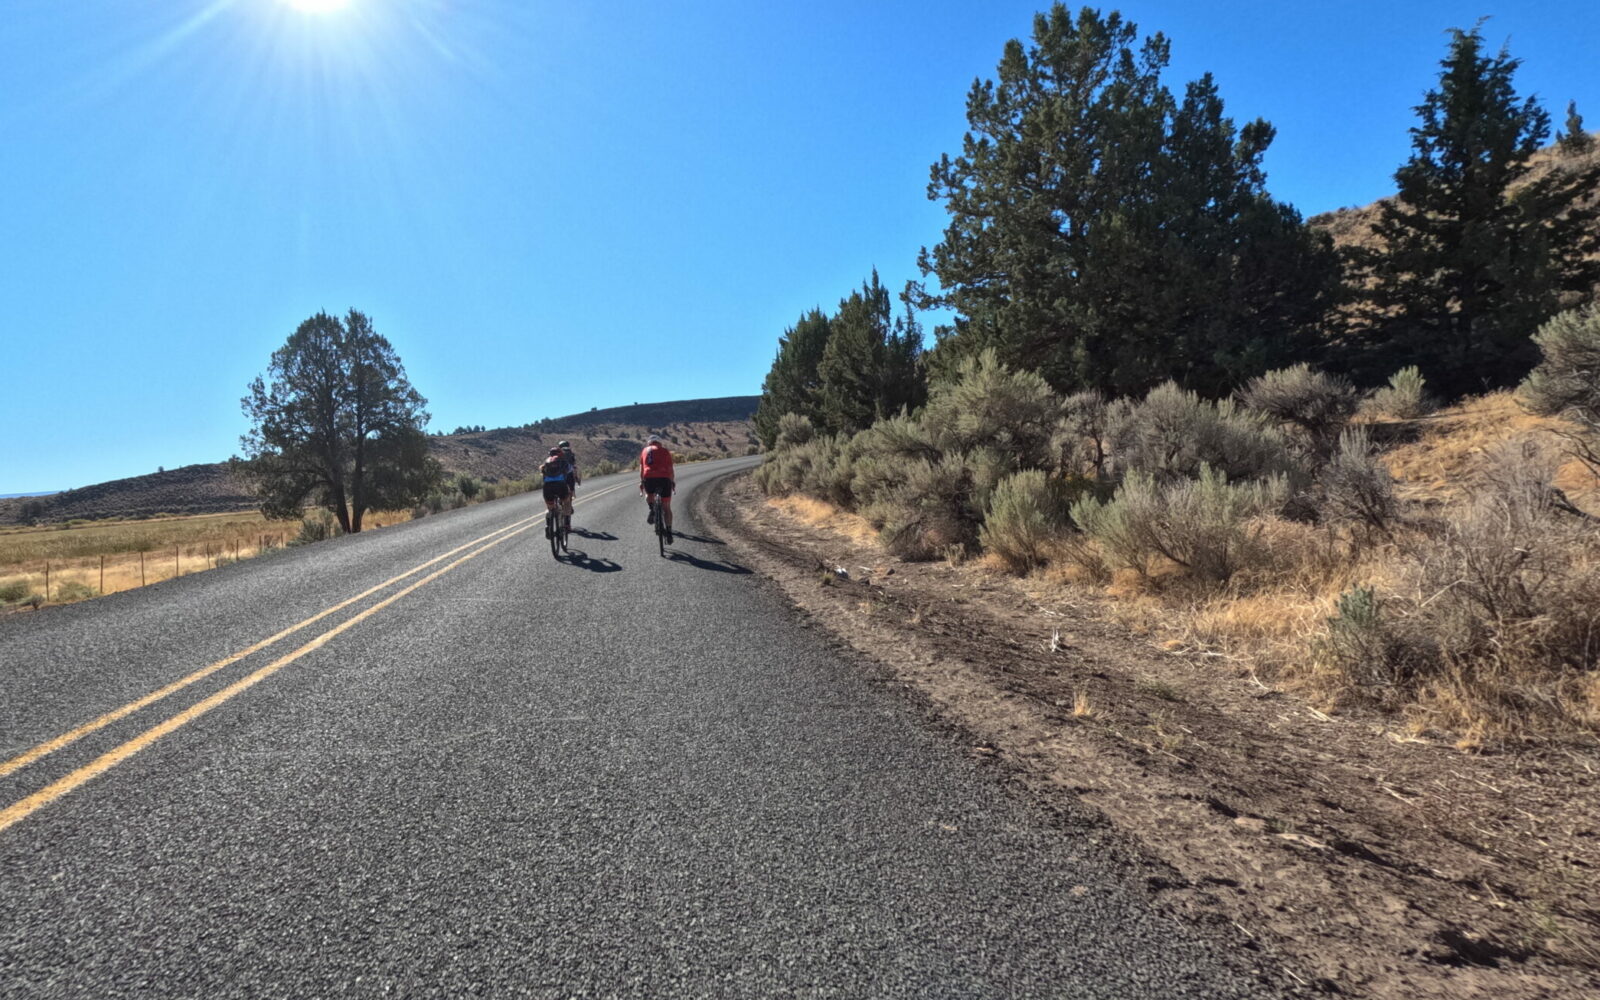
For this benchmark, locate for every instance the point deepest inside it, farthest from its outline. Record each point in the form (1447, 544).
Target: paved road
(628, 776)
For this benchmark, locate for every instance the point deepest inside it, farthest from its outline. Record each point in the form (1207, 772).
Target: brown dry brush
(1480, 618)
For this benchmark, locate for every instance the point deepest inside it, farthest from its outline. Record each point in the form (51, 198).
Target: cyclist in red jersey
(656, 479)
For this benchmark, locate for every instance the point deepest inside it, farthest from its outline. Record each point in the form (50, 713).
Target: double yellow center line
(23, 808)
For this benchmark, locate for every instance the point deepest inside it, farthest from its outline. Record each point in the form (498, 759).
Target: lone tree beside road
(338, 425)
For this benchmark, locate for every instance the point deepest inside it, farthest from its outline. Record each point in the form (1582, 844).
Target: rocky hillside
(713, 427)
(1353, 226)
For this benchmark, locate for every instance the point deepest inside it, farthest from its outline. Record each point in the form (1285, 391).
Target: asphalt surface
(620, 775)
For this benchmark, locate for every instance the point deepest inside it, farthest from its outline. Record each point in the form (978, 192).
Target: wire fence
(64, 580)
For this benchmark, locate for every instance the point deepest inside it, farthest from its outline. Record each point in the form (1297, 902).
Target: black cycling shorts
(658, 486)
(555, 491)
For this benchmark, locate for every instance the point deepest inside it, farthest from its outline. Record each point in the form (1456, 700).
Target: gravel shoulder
(1377, 864)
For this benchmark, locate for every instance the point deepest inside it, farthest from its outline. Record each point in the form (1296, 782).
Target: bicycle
(661, 527)
(557, 527)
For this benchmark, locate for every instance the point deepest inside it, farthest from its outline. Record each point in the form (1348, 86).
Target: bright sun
(317, 6)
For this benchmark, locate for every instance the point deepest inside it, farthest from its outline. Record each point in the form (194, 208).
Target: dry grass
(1449, 456)
(82, 560)
(820, 513)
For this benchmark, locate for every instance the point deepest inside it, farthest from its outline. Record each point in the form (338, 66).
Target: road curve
(487, 773)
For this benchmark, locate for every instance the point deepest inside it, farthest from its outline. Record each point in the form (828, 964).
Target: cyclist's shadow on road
(676, 555)
(582, 560)
(598, 536)
(699, 538)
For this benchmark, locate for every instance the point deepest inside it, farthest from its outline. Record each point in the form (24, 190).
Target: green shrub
(794, 429)
(1498, 610)
(1203, 525)
(1566, 382)
(71, 590)
(13, 591)
(988, 405)
(467, 486)
(1359, 644)
(880, 456)
(605, 468)
(315, 527)
(1173, 432)
(1404, 398)
(1316, 406)
(1026, 511)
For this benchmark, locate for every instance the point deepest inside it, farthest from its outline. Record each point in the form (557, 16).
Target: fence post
(102, 575)
(47, 579)
(176, 571)
(141, 568)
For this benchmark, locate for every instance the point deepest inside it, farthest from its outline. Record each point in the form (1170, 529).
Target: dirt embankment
(1371, 862)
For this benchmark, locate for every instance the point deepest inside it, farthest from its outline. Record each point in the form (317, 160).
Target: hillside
(1353, 226)
(716, 427)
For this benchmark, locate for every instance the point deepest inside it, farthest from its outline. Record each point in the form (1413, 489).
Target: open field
(79, 560)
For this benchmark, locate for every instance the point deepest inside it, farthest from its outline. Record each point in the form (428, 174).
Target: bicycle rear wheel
(552, 528)
(661, 527)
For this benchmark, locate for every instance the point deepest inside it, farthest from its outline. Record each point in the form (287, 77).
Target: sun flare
(317, 6)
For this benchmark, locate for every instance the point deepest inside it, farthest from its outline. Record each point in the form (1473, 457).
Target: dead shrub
(1357, 488)
(1497, 627)
(1081, 444)
(929, 510)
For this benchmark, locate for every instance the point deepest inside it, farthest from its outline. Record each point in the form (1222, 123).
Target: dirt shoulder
(1375, 864)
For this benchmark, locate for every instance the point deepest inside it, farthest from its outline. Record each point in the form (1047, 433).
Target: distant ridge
(720, 409)
(706, 427)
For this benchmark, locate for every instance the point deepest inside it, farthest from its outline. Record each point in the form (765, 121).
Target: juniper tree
(1576, 140)
(1110, 235)
(1474, 251)
(853, 361)
(792, 384)
(338, 425)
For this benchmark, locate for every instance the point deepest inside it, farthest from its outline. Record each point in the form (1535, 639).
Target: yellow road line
(20, 810)
(48, 747)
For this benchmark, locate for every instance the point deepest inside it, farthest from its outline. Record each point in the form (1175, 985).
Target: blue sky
(551, 206)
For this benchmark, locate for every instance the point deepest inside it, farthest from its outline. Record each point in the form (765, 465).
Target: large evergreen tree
(336, 424)
(872, 366)
(792, 383)
(1475, 250)
(1109, 235)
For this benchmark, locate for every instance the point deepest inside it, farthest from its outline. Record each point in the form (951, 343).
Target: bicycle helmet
(564, 445)
(555, 451)
(654, 439)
